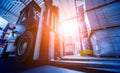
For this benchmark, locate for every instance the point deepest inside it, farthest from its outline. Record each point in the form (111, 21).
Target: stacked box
(104, 17)
(90, 4)
(69, 49)
(106, 42)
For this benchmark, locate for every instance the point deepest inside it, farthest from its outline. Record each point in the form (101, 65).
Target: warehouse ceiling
(10, 9)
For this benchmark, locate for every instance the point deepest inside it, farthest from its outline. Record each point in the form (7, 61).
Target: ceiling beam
(5, 10)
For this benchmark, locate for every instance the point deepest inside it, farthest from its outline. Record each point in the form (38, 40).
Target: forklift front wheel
(24, 47)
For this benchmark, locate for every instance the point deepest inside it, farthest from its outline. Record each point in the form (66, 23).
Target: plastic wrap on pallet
(106, 42)
(85, 44)
(90, 4)
(81, 21)
(86, 47)
(104, 17)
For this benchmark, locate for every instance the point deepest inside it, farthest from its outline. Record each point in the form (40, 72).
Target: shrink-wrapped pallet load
(106, 42)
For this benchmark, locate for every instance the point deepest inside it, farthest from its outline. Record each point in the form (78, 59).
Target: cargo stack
(69, 46)
(103, 26)
(85, 41)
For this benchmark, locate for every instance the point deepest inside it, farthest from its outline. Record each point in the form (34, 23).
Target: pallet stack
(85, 41)
(103, 26)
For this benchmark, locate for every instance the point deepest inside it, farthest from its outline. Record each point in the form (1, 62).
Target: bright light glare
(67, 28)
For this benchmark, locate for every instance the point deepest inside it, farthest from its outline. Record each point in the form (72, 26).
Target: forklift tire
(24, 48)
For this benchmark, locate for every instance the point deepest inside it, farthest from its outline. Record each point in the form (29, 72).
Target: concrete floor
(8, 65)
(51, 69)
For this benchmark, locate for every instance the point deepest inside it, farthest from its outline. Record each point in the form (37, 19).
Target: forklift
(37, 33)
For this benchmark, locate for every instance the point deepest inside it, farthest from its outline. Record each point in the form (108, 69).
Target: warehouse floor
(8, 65)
